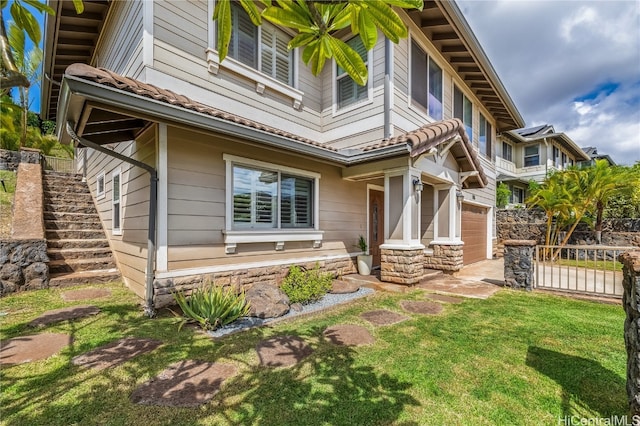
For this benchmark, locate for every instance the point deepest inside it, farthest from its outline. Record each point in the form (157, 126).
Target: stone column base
(518, 263)
(445, 257)
(402, 266)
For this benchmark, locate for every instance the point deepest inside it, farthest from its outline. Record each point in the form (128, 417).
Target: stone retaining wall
(402, 266)
(445, 257)
(244, 278)
(9, 160)
(631, 304)
(23, 265)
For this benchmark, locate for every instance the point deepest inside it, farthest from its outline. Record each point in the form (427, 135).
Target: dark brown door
(376, 224)
(474, 233)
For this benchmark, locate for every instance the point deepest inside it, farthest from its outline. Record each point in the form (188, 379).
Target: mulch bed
(349, 335)
(282, 351)
(186, 383)
(115, 353)
(64, 314)
(383, 317)
(424, 308)
(32, 348)
(445, 298)
(85, 294)
(341, 287)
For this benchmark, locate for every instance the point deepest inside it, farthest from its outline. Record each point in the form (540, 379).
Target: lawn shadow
(584, 381)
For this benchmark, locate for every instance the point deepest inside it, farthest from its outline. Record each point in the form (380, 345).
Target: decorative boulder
(267, 301)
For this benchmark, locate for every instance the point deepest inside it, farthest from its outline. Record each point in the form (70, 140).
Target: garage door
(474, 233)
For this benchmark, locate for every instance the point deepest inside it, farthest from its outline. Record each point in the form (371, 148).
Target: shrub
(306, 286)
(212, 306)
(502, 195)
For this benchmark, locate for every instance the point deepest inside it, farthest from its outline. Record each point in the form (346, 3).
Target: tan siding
(182, 24)
(120, 49)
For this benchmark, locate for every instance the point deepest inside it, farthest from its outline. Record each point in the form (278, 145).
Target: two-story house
(530, 154)
(261, 165)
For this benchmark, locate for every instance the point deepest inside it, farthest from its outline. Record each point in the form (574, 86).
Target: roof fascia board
(51, 23)
(454, 14)
(166, 112)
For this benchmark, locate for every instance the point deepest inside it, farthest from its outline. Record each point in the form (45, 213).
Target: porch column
(446, 245)
(402, 253)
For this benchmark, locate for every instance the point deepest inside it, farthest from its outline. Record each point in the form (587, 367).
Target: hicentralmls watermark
(599, 421)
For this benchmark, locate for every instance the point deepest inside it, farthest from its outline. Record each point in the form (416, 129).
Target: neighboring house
(531, 154)
(261, 165)
(592, 152)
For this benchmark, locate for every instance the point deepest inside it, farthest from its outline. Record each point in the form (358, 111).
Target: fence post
(631, 303)
(519, 264)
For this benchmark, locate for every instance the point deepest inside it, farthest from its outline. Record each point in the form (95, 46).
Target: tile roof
(433, 134)
(109, 78)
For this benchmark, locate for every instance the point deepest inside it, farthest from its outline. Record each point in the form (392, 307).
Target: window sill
(262, 80)
(277, 236)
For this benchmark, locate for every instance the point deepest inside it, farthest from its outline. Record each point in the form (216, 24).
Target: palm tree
(607, 181)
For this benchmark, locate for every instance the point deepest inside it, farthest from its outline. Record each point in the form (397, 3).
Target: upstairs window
(507, 151)
(348, 91)
(263, 48)
(463, 109)
(426, 82)
(484, 138)
(556, 156)
(564, 160)
(532, 156)
(100, 193)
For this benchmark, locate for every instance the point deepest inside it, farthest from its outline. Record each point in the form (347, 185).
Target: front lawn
(516, 358)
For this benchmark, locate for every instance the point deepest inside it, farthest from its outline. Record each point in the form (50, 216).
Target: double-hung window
(484, 138)
(507, 151)
(100, 186)
(263, 48)
(532, 155)
(463, 109)
(270, 199)
(348, 91)
(426, 82)
(116, 197)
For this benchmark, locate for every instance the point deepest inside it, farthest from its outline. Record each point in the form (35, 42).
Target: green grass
(599, 265)
(6, 201)
(517, 358)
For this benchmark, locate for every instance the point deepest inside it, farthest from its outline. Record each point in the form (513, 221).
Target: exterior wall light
(417, 185)
(459, 196)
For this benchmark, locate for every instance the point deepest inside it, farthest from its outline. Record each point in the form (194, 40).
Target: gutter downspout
(149, 309)
(388, 87)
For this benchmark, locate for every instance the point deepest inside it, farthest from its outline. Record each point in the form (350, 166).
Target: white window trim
(334, 82)
(279, 236)
(524, 156)
(473, 108)
(116, 231)
(262, 80)
(414, 106)
(100, 194)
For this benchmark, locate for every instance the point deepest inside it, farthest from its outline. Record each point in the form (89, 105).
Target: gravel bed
(327, 301)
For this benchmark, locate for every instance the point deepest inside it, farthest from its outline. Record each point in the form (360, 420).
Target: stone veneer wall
(519, 264)
(631, 304)
(402, 266)
(243, 278)
(445, 257)
(23, 265)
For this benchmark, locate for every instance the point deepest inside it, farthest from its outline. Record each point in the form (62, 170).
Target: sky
(572, 64)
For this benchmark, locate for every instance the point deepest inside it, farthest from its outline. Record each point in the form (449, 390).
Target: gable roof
(544, 133)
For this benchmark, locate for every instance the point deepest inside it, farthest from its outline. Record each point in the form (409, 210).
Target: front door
(376, 224)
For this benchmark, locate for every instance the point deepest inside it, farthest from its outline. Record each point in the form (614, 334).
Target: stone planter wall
(445, 257)
(23, 265)
(402, 266)
(243, 278)
(631, 304)
(519, 263)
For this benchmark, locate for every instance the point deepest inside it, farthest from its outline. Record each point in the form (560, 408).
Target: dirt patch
(85, 294)
(115, 353)
(184, 384)
(342, 287)
(444, 298)
(349, 335)
(64, 314)
(32, 348)
(383, 317)
(424, 308)
(282, 351)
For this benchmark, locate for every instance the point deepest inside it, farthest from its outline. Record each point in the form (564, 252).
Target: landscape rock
(267, 301)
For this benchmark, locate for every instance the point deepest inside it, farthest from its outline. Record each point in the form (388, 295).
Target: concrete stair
(78, 250)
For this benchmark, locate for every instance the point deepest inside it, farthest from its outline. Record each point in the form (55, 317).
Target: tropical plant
(306, 286)
(502, 195)
(212, 306)
(362, 244)
(316, 22)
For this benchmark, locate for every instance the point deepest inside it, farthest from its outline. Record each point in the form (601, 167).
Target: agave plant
(212, 306)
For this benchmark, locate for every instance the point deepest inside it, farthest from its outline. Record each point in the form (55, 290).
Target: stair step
(75, 265)
(78, 243)
(70, 208)
(67, 196)
(58, 215)
(61, 175)
(74, 234)
(66, 188)
(78, 253)
(84, 277)
(72, 224)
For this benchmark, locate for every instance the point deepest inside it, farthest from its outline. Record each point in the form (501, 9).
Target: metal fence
(580, 269)
(64, 165)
